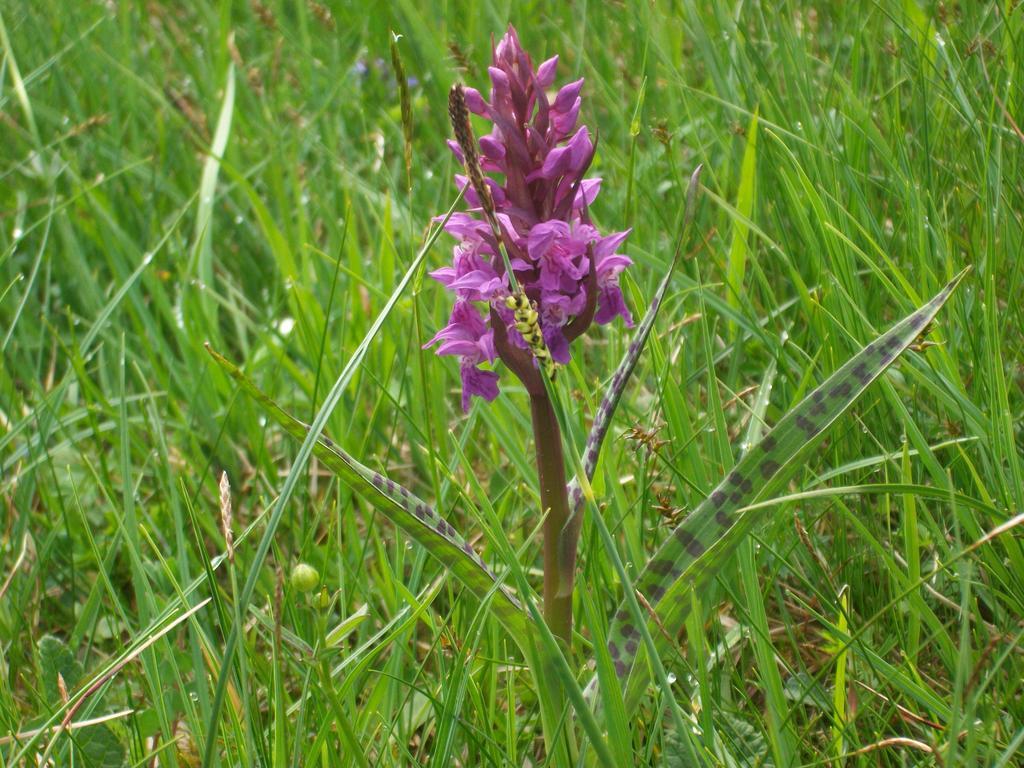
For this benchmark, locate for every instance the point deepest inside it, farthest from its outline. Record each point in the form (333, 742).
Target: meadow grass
(234, 173)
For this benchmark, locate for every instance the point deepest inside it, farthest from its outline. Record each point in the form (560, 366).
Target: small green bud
(304, 578)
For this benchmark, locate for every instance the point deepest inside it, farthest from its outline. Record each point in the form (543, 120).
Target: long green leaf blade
(201, 259)
(687, 557)
(740, 227)
(419, 520)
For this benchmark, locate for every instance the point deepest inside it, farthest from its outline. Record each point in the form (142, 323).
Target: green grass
(857, 627)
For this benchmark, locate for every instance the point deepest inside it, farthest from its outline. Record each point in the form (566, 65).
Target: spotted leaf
(689, 555)
(419, 520)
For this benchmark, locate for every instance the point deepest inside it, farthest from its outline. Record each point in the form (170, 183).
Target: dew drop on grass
(670, 678)
(239, 219)
(16, 233)
(285, 326)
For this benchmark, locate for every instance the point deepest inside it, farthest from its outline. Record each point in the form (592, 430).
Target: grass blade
(201, 259)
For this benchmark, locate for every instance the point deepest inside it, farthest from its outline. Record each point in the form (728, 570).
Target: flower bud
(304, 578)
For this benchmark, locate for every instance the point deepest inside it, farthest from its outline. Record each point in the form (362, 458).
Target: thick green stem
(555, 502)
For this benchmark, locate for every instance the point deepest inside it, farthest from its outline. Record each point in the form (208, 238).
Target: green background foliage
(234, 173)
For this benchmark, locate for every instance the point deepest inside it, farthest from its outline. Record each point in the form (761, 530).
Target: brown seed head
(459, 114)
(225, 516)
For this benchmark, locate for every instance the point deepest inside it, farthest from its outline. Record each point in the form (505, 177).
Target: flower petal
(564, 122)
(606, 246)
(611, 304)
(567, 96)
(474, 101)
(476, 381)
(587, 193)
(546, 72)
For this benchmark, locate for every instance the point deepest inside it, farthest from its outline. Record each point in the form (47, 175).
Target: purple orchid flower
(467, 335)
(560, 260)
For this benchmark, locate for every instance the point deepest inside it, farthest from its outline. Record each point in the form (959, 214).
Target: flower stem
(555, 503)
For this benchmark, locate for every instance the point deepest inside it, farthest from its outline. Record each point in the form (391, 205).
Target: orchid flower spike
(529, 203)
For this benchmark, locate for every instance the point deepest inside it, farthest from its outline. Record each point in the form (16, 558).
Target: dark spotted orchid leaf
(689, 556)
(612, 396)
(419, 520)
